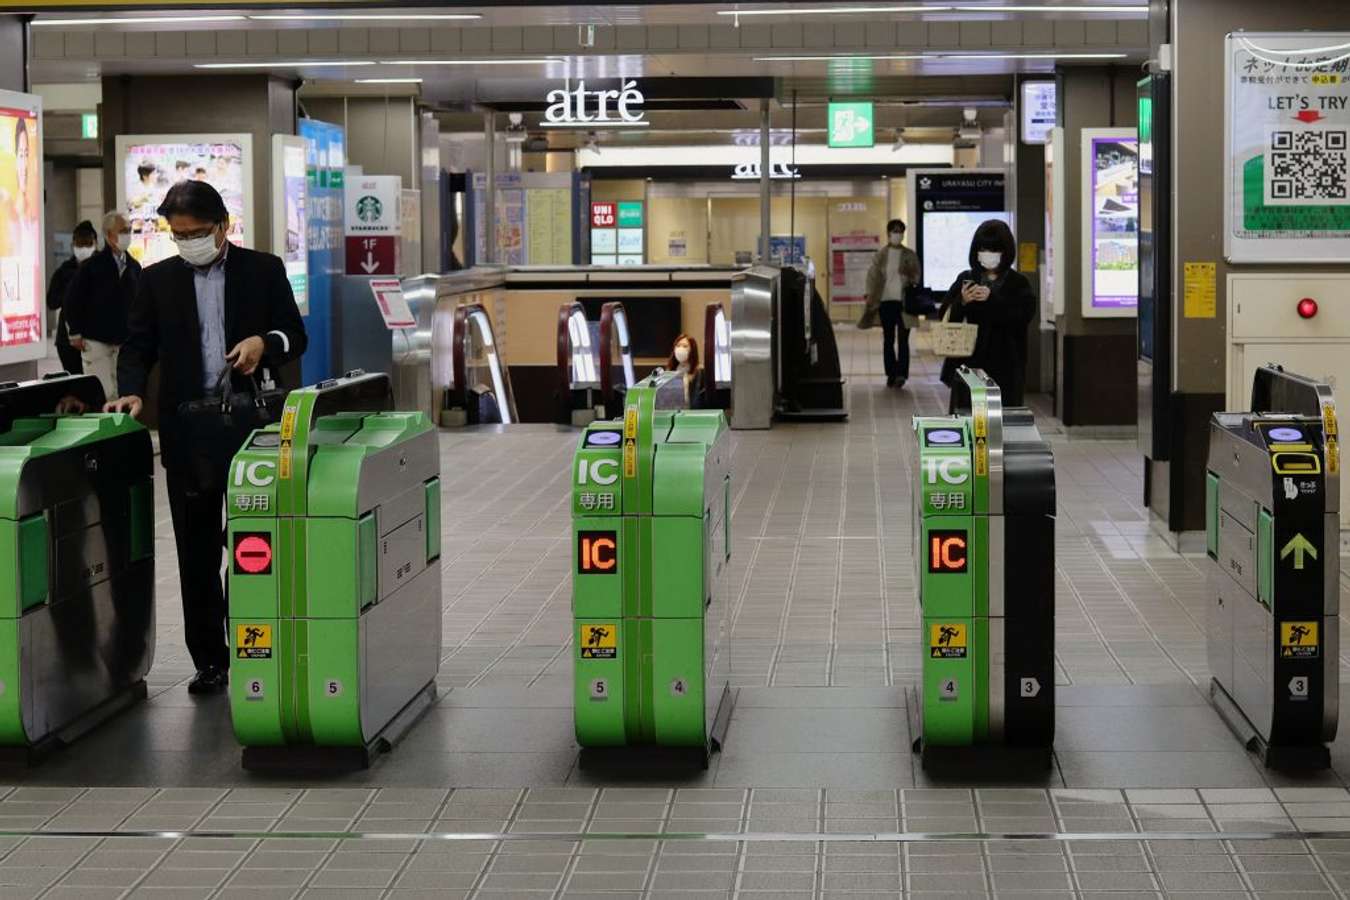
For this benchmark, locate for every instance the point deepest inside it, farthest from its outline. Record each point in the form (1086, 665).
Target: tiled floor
(816, 793)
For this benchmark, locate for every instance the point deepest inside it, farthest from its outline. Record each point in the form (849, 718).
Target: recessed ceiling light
(833, 10)
(139, 20)
(388, 80)
(287, 64)
(1098, 8)
(366, 17)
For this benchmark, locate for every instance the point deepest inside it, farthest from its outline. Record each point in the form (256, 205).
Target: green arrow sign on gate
(851, 125)
(1298, 545)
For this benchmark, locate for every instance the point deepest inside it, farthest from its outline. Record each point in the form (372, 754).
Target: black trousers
(894, 353)
(198, 533)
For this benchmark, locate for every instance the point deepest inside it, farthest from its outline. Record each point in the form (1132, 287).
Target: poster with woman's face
(149, 169)
(20, 227)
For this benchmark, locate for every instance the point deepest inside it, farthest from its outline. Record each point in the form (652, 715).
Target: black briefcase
(216, 426)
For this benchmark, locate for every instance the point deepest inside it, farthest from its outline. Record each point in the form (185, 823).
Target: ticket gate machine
(77, 563)
(335, 579)
(985, 556)
(1272, 492)
(651, 514)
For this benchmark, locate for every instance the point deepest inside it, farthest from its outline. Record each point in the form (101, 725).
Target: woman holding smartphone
(1000, 300)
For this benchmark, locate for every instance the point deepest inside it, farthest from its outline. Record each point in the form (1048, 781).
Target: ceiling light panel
(137, 20)
(367, 17)
(287, 64)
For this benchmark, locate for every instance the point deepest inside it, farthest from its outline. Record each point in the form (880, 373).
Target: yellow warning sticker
(288, 423)
(630, 422)
(981, 456)
(1298, 640)
(1333, 457)
(981, 423)
(284, 460)
(629, 458)
(947, 640)
(253, 641)
(598, 641)
(1329, 418)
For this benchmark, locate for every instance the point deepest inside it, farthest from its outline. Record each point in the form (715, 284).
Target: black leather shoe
(900, 382)
(209, 681)
(890, 381)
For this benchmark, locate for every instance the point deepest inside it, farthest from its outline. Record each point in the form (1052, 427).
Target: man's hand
(77, 343)
(246, 354)
(128, 404)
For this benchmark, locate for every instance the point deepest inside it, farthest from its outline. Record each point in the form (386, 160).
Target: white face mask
(896, 238)
(989, 259)
(682, 354)
(83, 253)
(199, 251)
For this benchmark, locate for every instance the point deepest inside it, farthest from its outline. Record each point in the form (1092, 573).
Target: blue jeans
(894, 353)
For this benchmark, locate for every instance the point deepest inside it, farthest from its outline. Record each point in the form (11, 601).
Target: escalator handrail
(506, 400)
(564, 348)
(609, 337)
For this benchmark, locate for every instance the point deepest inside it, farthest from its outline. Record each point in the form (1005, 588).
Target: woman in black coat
(1000, 300)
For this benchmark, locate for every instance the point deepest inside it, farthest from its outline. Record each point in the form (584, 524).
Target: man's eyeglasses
(178, 236)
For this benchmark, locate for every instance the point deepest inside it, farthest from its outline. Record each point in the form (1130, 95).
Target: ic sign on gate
(947, 552)
(252, 553)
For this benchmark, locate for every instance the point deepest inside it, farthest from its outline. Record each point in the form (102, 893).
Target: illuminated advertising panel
(1111, 222)
(22, 323)
(148, 165)
(290, 226)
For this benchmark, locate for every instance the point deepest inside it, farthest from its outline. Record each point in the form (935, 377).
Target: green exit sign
(89, 126)
(851, 125)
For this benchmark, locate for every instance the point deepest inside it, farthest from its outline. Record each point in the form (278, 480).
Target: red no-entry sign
(252, 554)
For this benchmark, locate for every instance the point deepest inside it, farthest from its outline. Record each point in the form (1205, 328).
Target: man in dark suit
(99, 300)
(215, 304)
(84, 242)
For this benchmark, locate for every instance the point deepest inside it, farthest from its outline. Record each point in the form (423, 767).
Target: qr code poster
(1288, 148)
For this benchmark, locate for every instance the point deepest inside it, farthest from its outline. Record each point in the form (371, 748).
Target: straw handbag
(953, 339)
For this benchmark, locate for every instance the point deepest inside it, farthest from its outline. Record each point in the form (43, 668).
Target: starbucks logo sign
(369, 209)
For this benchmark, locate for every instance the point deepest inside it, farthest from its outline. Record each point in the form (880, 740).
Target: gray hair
(112, 219)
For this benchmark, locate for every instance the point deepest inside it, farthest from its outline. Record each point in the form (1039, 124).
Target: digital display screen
(148, 167)
(21, 242)
(946, 244)
(290, 226)
(597, 552)
(1038, 111)
(947, 552)
(1115, 223)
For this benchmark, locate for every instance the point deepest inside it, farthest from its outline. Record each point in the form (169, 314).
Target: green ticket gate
(984, 508)
(334, 576)
(1272, 500)
(650, 516)
(77, 565)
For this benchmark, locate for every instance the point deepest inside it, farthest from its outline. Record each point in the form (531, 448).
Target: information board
(22, 266)
(324, 158)
(148, 165)
(945, 208)
(1287, 164)
(1110, 216)
(371, 223)
(1039, 111)
(290, 222)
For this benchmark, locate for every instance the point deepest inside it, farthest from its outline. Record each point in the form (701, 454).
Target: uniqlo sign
(603, 215)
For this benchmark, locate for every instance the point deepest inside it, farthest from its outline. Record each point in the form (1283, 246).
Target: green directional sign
(89, 126)
(851, 125)
(1298, 546)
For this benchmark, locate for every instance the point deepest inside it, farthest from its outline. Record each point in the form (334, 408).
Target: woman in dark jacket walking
(1000, 300)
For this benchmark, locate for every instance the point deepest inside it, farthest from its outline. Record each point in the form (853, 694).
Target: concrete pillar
(1029, 208)
(260, 105)
(1195, 30)
(765, 201)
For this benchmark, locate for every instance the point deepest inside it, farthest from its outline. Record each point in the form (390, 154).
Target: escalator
(594, 364)
(467, 370)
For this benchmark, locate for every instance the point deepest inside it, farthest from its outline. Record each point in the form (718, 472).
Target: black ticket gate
(1272, 500)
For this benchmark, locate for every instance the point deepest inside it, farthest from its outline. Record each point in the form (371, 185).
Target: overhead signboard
(1287, 172)
(1039, 111)
(1110, 222)
(851, 125)
(22, 263)
(576, 107)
